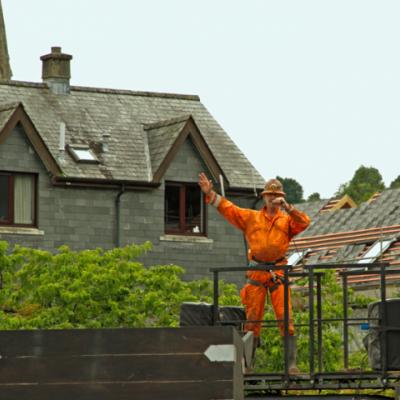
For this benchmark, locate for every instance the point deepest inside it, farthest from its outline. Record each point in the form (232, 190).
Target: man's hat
(273, 186)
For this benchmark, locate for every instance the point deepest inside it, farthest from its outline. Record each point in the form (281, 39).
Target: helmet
(273, 186)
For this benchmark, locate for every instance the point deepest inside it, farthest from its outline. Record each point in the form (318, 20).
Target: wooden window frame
(11, 190)
(182, 208)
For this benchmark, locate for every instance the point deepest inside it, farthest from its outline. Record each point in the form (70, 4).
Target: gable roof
(13, 114)
(338, 203)
(6, 111)
(127, 116)
(165, 139)
(161, 137)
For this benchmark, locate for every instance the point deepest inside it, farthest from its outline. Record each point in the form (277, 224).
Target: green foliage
(395, 183)
(365, 182)
(293, 190)
(314, 197)
(94, 289)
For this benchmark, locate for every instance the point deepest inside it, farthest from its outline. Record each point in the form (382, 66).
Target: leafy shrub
(94, 289)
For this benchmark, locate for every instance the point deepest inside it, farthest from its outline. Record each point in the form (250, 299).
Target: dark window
(184, 209)
(17, 199)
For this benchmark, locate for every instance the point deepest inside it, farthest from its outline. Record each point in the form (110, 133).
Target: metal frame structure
(315, 378)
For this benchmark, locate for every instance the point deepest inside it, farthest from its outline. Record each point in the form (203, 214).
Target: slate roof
(134, 152)
(384, 211)
(6, 110)
(311, 208)
(161, 138)
(344, 236)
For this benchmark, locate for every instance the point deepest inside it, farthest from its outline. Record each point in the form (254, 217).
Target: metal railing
(314, 273)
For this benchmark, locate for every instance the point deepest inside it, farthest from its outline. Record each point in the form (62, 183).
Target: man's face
(272, 200)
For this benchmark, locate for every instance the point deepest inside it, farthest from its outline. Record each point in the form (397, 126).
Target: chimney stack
(56, 70)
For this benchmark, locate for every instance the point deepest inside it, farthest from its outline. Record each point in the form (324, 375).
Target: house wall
(81, 218)
(85, 218)
(223, 247)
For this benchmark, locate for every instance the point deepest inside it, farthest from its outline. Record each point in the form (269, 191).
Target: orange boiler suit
(268, 239)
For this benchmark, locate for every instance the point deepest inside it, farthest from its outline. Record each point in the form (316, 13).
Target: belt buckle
(253, 263)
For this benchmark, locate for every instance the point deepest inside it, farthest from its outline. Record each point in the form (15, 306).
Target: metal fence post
(286, 320)
(311, 323)
(319, 323)
(383, 320)
(215, 309)
(345, 322)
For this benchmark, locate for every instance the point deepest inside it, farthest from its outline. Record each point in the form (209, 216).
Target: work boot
(292, 353)
(256, 345)
(250, 361)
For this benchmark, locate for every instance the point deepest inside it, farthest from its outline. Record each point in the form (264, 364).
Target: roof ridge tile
(135, 93)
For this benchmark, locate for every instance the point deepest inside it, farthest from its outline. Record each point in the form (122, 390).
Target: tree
(365, 182)
(293, 190)
(314, 197)
(396, 183)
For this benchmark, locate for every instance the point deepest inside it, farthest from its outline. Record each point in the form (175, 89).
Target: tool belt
(276, 279)
(277, 282)
(269, 263)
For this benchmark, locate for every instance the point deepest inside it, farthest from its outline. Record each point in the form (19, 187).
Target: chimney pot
(56, 70)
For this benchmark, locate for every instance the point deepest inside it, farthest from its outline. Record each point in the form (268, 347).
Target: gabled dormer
(165, 138)
(338, 204)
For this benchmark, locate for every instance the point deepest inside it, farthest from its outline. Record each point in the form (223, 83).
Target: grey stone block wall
(86, 218)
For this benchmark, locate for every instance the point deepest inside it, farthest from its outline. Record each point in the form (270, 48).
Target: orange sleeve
(237, 216)
(299, 221)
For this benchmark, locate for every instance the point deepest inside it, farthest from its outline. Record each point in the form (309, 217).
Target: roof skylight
(377, 249)
(297, 256)
(82, 154)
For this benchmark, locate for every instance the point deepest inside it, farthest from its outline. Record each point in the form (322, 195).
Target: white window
(375, 251)
(297, 256)
(81, 153)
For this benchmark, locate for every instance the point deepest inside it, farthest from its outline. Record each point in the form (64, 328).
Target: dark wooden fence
(113, 364)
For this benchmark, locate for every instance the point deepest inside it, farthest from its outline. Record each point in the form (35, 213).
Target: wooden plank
(110, 368)
(112, 341)
(200, 390)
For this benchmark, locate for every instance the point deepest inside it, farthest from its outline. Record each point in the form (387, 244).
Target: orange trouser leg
(253, 298)
(278, 304)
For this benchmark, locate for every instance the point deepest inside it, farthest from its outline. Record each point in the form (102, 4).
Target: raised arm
(299, 221)
(235, 215)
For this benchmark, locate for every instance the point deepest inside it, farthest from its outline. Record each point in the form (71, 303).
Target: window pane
(23, 199)
(296, 257)
(194, 210)
(4, 195)
(375, 251)
(84, 154)
(172, 208)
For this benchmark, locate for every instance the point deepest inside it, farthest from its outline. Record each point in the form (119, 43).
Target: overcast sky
(307, 89)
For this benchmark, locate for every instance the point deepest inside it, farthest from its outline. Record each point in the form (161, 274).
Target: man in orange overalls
(268, 233)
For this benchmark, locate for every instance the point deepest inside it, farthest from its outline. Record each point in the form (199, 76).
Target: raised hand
(205, 184)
